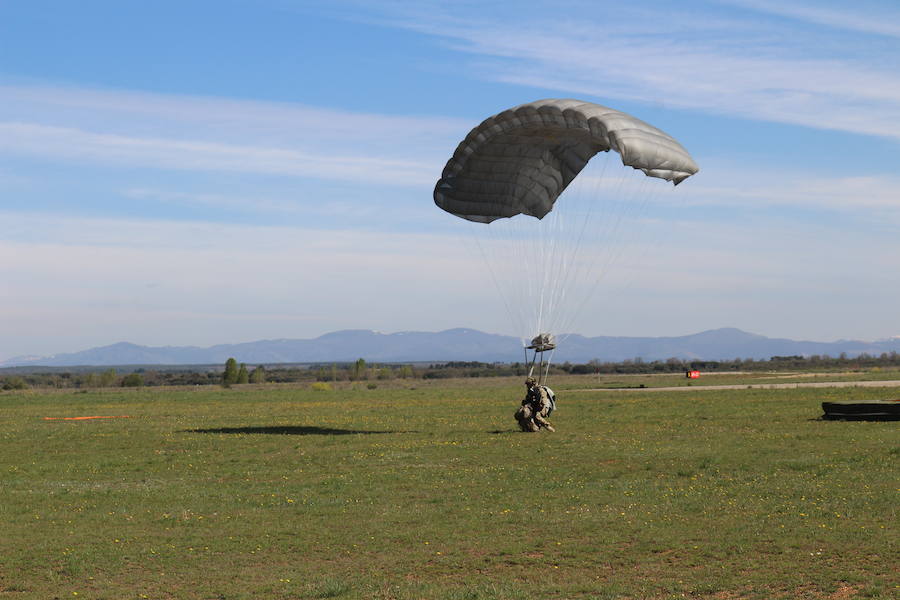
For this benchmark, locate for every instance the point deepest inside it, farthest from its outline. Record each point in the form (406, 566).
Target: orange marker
(84, 418)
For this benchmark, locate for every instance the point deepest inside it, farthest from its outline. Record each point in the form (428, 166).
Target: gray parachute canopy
(520, 160)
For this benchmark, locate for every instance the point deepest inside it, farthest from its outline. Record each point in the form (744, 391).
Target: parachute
(520, 160)
(516, 165)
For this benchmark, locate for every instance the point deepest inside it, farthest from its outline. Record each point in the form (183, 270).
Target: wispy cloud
(153, 281)
(255, 203)
(876, 196)
(176, 145)
(191, 133)
(146, 281)
(196, 155)
(719, 63)
(863, 17)
(723, 185)
(113, 110)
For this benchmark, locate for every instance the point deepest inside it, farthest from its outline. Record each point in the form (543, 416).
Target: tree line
(235, 373)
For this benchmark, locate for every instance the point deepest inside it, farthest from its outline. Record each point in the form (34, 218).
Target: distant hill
(461, 345)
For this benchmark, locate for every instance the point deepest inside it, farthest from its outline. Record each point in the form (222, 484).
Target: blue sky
(192, 173)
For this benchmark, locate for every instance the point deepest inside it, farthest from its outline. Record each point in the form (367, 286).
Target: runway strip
(749, 386)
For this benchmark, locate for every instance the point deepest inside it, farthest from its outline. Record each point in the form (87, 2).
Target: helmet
(530, 381)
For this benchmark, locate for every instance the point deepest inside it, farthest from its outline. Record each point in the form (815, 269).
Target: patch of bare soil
(844, 592)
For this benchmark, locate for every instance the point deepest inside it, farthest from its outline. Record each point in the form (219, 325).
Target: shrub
(258, 375)
(108, 377)
(15, 383)
(133, 380)
(321, 386)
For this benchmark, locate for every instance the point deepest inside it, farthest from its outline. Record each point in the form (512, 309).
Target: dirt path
(750, 386)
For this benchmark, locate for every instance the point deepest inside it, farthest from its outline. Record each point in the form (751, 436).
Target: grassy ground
(724, 378)
(426, 491)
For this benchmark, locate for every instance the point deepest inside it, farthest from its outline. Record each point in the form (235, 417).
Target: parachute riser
(543, 342)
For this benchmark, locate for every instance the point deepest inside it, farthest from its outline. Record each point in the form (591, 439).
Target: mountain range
(458, 345)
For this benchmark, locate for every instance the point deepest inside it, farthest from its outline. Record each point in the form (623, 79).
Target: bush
(258, 375)
(321, 386)
(133, 380)
(15, 383)
(108, 377)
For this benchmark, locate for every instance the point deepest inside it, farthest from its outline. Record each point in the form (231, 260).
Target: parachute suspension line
(588, 198)
(641, 194)
(543, 368)
(569, 265)
(631, 199)
(546, 377)
(651, 246)
(526, 245)
(531, 362)
(540, 265)
(526, 249)
(554, 268)
(546, 250)
(544, 275)
(559, 262)
(496, 281)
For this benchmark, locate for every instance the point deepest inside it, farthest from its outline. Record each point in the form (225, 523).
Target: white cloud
(722, 64)
(114, 111)
(875, 196)
(254, 203)
(725, 185)
(89, 147)
(166, 282)
(862, 17)
(193, 133)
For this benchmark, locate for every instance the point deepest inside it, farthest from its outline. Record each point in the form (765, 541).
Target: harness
(534, 395)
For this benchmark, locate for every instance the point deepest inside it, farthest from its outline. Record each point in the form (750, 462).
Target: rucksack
(552, 398)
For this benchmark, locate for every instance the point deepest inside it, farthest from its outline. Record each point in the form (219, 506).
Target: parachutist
(508, 176)
(536, 407)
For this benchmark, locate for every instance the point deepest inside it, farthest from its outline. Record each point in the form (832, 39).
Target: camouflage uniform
(532, 415)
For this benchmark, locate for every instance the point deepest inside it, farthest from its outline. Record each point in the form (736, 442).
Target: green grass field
(426, 490)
